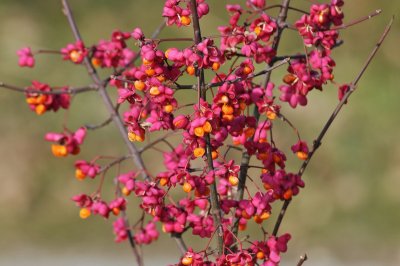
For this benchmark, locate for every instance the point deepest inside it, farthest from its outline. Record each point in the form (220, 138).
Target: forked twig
(317, 142)
(116, 118)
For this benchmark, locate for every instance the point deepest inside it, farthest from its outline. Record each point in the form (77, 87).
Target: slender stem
(318, 141)
(154, 142)
(106, 98)
(302, 259)
(215, 208)
(68, 90)
(362, 19)
(45, 51)
(116, 161)
(290, 8)
(104, 123)
(179, 242)
(244, 165)
(116, 118)
(263, 72)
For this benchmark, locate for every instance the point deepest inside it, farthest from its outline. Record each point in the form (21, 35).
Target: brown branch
(318, 141)
(68, 90)
(108, 103)
(302, 259)
(116, 161)
(263, 72)
(362, 19)
(104, 123)
(160, 139)
(289, 7)
(179, 242)
(215, 208)
(244, 164)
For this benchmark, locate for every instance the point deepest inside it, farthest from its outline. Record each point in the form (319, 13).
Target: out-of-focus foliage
(352, 194)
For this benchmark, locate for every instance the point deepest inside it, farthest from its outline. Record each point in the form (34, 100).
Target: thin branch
(345, 26)
(202, 93)
(68, 90)
(318, 141)
(158, 41)
(116, 118)
(244, 164)
(263, 72)
(154, 142)
(290, 8)
(116, 161)
(362, 19)
(284, 119)
(302, 259)
(179, 242)
(104, 123)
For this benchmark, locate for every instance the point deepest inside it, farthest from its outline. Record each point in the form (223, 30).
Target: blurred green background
(348, 214)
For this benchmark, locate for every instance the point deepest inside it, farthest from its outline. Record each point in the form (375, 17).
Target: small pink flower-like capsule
(137, 34)
(137, 135)
(202, 9)
(301, 150)
(180, 122)
(26, 58)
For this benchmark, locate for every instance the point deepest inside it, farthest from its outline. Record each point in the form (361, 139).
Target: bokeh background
(348, 214)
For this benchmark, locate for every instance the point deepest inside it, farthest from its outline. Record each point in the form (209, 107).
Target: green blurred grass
(351, 194)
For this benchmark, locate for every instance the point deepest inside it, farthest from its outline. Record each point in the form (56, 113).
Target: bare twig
(104, 123)
(179, 242)
(302, 259)
(263, 72)
(154, 142)
(317, 142)
(116, 161)
(290, 8)
(345, 26)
